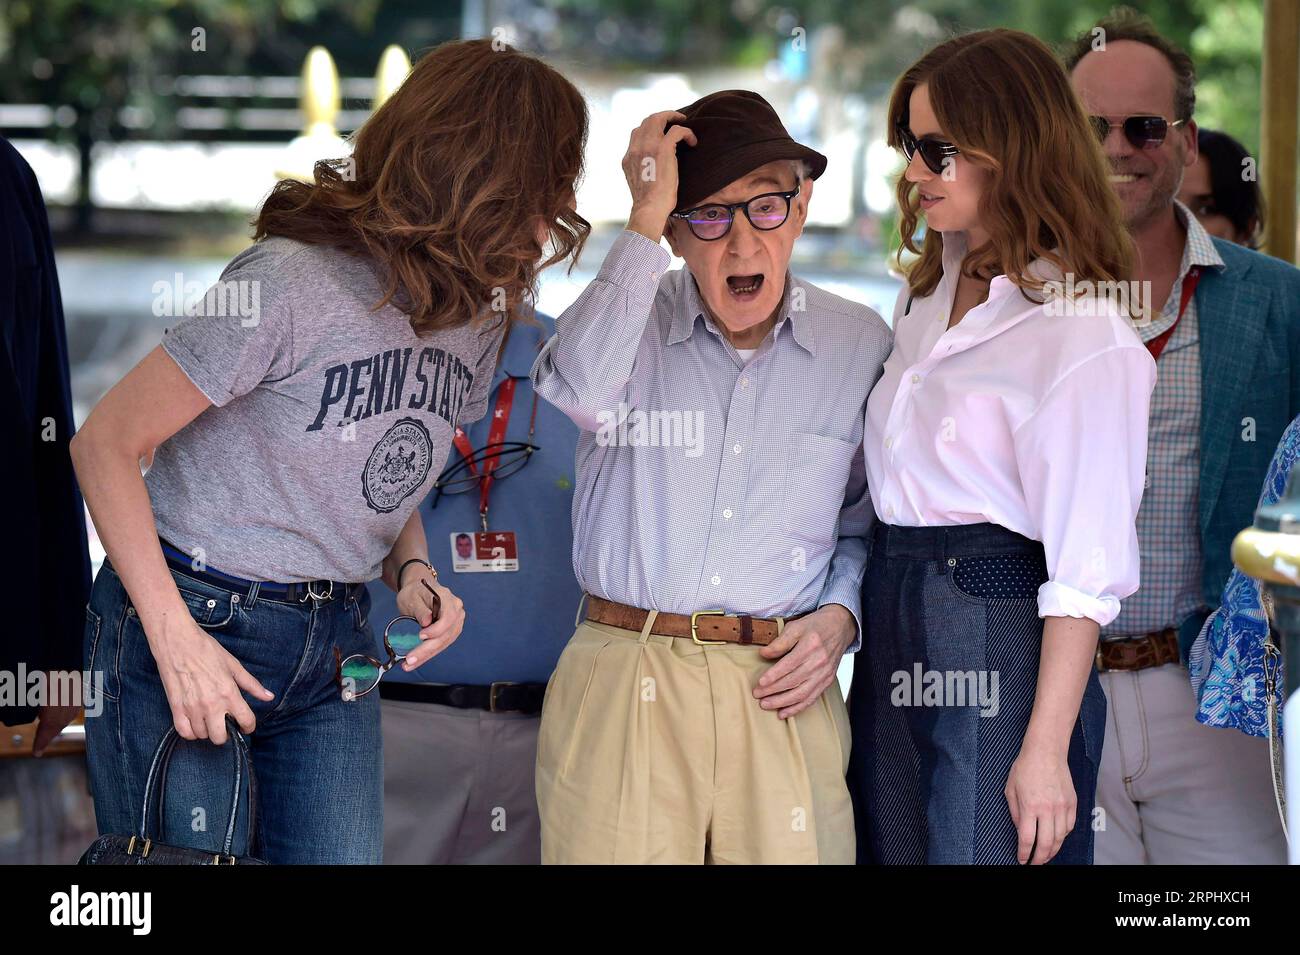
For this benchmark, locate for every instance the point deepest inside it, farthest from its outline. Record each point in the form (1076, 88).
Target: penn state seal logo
(397, 466)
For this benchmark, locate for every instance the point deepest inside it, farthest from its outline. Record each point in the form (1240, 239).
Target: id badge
(478, 552)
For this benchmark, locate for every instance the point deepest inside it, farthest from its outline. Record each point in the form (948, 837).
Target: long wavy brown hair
(1003, 98)
(448, 183)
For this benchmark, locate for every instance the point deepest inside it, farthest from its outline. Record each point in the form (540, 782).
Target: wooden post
(1279, 129)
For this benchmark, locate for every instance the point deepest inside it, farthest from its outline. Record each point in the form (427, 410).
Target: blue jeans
(318, 761)
(951, 607)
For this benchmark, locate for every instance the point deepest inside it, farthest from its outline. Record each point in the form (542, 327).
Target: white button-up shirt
(1032, 416)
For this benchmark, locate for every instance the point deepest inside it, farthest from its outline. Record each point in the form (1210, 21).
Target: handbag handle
(155, 787)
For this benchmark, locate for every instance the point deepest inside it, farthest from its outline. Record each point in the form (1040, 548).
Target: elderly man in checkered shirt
(718, 518)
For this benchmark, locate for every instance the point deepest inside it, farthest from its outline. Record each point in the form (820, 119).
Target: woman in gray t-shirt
(296, 419)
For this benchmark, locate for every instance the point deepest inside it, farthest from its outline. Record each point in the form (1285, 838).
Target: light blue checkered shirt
(1169, 535)
(705, 482)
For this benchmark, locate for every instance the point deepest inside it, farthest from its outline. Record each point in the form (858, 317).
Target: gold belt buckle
(694, 622)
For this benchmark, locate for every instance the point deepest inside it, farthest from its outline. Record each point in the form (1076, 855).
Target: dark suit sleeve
(46, 561)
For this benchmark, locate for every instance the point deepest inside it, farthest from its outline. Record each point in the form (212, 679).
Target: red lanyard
(1157, 344)
(496, 435)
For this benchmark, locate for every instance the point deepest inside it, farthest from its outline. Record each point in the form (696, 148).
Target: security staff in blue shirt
(460, 733)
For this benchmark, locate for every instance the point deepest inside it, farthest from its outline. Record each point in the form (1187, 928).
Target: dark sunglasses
(935, 153)
(1143, 132)
(766, 212)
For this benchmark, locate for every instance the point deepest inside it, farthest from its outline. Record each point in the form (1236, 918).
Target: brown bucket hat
(737, 131)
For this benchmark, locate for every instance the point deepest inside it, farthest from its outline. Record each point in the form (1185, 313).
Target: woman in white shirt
(1006, 442)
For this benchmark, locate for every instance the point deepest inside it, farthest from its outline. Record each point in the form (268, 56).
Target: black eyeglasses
(1143, 132)
(468, 473)
(712, 221)
(511, 458)
(935, 153)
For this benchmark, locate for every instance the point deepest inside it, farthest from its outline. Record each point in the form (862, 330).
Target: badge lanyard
(496, 436)
(1157, 344)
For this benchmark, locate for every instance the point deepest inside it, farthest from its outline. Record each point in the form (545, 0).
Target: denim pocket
(360, 605)
(211, 607)
(998, 576)
(94, 661)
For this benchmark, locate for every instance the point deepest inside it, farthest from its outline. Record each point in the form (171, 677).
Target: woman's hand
(1040, 793)
(202, 680)
(417, 599)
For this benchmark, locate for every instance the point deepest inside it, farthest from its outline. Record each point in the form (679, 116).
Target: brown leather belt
(703, 626)
(1138, 653)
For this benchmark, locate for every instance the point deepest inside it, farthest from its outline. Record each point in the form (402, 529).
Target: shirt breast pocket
(816, 475)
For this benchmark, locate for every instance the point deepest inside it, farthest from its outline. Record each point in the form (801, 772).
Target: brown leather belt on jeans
(704, 626)
(1139, 653)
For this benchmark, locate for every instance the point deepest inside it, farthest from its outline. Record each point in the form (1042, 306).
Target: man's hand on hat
(650, 167)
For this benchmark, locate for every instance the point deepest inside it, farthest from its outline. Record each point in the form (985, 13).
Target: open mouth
(928, 199)
(1119, 177)
(744, 286)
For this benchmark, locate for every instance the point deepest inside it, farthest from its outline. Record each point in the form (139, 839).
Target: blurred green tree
(91, 60)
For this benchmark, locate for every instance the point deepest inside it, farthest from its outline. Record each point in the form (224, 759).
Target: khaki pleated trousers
(653, 749)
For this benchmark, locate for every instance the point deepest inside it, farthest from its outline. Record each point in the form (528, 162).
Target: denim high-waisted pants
(942, 693)
(317, 760)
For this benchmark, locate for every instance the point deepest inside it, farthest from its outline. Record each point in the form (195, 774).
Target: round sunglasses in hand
(360, 673)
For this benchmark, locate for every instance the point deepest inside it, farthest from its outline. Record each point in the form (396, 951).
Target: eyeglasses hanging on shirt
(482, 469)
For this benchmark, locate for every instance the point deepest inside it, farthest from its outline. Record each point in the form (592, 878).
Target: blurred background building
(156, 127)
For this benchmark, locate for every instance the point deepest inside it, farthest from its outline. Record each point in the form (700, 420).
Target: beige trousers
(1175, 791)
(458, 786)
(653, 749)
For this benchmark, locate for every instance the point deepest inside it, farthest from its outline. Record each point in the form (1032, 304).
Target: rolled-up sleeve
(589, 366)
(1082, 462)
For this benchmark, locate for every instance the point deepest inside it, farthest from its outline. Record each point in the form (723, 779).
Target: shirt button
(735, 449)
(716, 580)
(727, 513)
(744, 382)
(889, 511)
(889, 442)
(943, 317)
(916, 379)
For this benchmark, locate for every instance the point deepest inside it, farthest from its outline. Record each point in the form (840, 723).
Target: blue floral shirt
(1227, 659)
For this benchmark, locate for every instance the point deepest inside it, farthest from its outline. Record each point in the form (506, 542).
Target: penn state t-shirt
(330, 420)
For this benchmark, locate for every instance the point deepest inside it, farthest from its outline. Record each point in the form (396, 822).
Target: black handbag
(140, 849)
